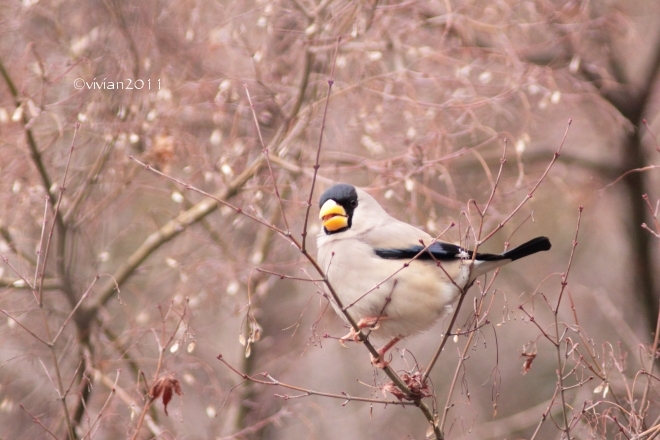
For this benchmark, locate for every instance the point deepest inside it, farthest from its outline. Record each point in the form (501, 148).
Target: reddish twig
(89, 433)
(317, 165)
(275, 419)
(38, 422)
(162, 346)
(654, 215)
(623, 176)
(307, 392)
(52, 226)
(531, 192)
(482, 213)
(73, 311)
(288, 277)
(210, 196)
(655, 139)
(266, 153)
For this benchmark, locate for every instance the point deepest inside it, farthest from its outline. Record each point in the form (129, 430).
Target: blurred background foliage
(427, 96)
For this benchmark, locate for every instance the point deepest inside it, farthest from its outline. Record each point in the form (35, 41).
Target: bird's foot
(351, 336)
(371, 322)
(379, 361)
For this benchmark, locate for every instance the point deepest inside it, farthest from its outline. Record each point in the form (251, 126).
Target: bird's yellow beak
(333, 216)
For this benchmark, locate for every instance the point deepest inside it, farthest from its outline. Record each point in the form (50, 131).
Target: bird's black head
(337, 205)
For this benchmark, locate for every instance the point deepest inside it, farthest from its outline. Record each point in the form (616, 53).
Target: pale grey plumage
(419, 294)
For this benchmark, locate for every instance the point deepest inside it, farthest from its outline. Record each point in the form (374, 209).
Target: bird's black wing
(442, 251)
(437, 251)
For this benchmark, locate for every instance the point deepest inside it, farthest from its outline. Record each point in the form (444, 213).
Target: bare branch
(172, 229)
(317, 164)
(38, 422)
(308, 392)
(531, 192)
(73, 311)
(267, 159)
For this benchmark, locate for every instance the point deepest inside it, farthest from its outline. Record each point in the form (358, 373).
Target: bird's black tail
(533, 246)
(486, 262)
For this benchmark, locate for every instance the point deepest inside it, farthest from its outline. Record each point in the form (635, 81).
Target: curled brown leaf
(165, 386)
(414, 383)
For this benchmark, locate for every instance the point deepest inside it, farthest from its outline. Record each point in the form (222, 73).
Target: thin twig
(270, 166)
(463, 356)
(275, 419)
(655, 139)
(18, 274)
(35, 153)
(564, 283)
(37, 278)
(73, 311)
(654, 214)
(126, 398)
(623, 176)
(531, 192)
(38, 422)
(99, 415)
(38, 338)
(307, 392)
(288, 277)
(162, 346)
(171, 229)
(217, 199)
(317, 165)
(67, 291)
(654, 348)
(463, 291)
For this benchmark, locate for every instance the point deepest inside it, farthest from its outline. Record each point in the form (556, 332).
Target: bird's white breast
(419, 294)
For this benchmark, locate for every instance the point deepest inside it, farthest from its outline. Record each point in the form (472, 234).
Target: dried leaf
(529, 353)
(165, 386)
(163, 150)
(414, 383)
(529, 358)
(394, 390)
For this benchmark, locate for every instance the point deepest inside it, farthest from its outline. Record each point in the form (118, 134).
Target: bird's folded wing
(440, 251)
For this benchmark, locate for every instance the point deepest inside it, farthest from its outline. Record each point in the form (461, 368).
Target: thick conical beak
(333, 216)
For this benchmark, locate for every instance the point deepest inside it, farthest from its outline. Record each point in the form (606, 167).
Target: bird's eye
(353, 203)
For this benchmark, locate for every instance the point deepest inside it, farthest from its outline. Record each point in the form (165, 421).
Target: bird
(394, 279)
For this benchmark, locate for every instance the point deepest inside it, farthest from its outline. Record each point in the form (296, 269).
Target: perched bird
(364, 252)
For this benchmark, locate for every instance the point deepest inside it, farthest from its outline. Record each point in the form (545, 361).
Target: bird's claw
(379, 362)
(371, 323)
(351, 336)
